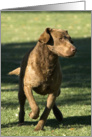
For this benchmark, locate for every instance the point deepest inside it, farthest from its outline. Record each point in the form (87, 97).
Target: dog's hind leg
(35, 109)
(57, 113)
(22, 98)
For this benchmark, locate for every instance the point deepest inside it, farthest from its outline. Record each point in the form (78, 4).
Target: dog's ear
(45, 36)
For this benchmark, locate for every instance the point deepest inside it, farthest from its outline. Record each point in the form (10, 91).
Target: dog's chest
(43, 81)
(47, 87)
(50, 83)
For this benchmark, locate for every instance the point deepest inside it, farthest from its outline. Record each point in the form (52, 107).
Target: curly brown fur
(40, 71)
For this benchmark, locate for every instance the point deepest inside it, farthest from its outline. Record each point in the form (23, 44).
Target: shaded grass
(20, 31)
(75, 70)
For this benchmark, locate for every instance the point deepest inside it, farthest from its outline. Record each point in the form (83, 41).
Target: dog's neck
(46, 53)
(46, 58)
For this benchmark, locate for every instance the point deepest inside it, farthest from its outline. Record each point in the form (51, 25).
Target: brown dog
(40, 71)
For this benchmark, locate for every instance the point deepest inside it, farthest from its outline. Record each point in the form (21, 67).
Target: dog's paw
(33, 115)
(38, 128)
(20, 124)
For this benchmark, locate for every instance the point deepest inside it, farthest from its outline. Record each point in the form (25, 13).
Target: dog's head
(58, 41)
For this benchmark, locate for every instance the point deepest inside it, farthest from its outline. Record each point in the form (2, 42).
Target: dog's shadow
(71, 121)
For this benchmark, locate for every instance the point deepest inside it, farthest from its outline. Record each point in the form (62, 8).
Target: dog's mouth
(68, 55)
(71, 55)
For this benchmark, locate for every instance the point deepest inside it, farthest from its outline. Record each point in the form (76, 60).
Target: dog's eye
(60, 38)
(72, 42)
(65, 37)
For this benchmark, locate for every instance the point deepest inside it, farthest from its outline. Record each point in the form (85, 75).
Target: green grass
(20, 31)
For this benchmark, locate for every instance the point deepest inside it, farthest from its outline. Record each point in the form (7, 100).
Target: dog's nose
(73, 49)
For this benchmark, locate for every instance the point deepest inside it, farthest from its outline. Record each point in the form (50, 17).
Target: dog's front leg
(50, 102)
(35, 109)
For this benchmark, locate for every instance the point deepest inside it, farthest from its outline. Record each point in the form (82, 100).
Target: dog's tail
(15, 72)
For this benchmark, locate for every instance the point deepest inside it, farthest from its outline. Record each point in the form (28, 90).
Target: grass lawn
(20, 31)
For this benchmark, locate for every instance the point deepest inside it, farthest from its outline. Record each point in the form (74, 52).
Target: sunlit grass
(27, 26)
